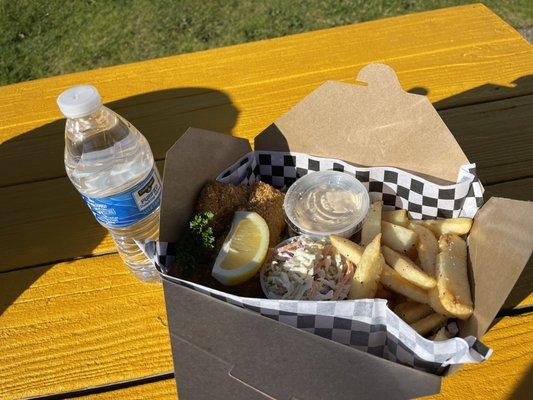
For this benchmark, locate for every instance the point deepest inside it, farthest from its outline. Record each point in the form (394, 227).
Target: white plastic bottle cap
(79, 101)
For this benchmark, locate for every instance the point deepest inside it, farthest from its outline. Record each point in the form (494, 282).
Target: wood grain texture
(497, 136)
(399, 37)
(459, 56)
(520, 189)
(163, 390)
(79, 324)
(51, 223)
(88, 322)
(51, 216)
(506, 374)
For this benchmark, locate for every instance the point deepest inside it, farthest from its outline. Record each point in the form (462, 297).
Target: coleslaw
(304, 268)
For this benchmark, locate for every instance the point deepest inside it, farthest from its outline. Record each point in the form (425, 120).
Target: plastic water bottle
(112, 166)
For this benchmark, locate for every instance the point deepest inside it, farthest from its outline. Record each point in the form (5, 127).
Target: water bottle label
(129, 207)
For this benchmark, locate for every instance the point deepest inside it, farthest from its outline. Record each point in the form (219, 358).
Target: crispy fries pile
(423, 261)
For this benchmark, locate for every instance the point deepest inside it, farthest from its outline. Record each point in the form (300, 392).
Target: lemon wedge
(244, 249)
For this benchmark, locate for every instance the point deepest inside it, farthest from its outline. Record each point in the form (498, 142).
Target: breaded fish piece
(267, 201)
(222, 199)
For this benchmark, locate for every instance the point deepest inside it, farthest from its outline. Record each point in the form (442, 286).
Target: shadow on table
(483, 93)
(162, 116)
(525, 387)
(460, 128)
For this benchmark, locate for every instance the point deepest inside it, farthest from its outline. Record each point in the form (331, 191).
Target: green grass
(44, 38)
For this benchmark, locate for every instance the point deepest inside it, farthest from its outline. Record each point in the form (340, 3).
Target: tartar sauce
(326, 202)
(323, 207)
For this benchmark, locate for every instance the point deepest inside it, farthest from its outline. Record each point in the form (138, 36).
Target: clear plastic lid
(326, 203)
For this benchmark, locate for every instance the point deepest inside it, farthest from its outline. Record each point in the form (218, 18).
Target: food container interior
(374, 125)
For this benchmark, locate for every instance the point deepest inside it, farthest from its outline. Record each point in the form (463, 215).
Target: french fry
(382, 293)
(372, 223)
(393, 298)
(399, 238)
(366, 277)
(455, 226)
(347, 248)
(411, 311)
(429, 323)
(452, 295)
(407, 269)
(394, 281)
(427, 248)
(442, 334)
(397, 217)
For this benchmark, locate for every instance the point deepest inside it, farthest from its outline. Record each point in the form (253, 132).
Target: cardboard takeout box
(224, 352)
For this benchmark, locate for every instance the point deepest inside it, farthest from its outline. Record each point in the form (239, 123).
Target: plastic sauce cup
(326, 203)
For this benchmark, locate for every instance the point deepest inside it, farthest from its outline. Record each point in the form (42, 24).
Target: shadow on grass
(50, 222)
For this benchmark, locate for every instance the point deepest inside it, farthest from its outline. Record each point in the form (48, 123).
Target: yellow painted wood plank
(429, 32)
(84, 319)
(497, 136)
(521, 189)
(56, 225)
(79, 324)
(506, 375)
(48, 222)
(460, 56)
(163, 390)
(89, 322)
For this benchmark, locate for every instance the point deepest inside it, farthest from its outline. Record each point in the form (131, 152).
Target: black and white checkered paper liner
(366, 325)
(397, 188)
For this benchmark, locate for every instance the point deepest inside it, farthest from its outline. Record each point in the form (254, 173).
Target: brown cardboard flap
(197, 157)
(377, 124)
(500, 246)
(200, 375)
(281, 362)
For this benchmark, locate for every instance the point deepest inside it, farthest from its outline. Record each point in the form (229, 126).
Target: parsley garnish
(195, 243)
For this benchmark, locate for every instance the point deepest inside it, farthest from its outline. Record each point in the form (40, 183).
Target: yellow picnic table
(74, 322)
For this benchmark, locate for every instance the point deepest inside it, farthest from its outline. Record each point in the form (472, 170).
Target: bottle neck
(101, 119)
(98, 131)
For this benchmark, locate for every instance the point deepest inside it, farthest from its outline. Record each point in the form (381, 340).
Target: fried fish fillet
(222, 199)
(267, 201)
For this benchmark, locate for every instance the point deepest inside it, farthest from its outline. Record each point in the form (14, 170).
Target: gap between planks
(443, 111)
(474, 26)
(110, 387)
(164, 385)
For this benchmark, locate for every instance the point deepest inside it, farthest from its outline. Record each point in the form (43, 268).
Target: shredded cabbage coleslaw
(307, 269)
